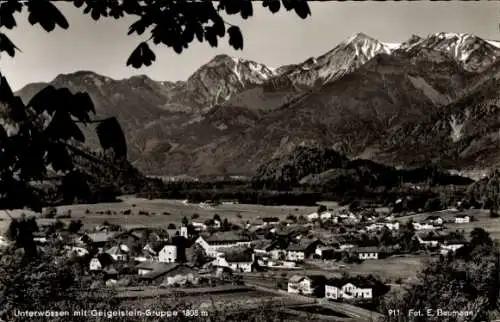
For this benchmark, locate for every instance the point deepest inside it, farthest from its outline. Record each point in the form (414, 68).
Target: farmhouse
(462, 219)
(300, 285)
(95, 264)
(365, 253)
(40, 238)
(326, 215)
(423, 226)
(168, 254)
(325, 252)
(451, 246)
(313, 216)
(242, 262)
(307, 285)
(434, 220)
(119, 253)
(180, 275)
(151, 271)
(427, 240)
(98, 240)
(301, 250)
(358, 290)
(77, 251)
(264, 247)
(333, 289)
(216, 243)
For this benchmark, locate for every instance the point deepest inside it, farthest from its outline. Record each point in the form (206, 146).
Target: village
(311, 256)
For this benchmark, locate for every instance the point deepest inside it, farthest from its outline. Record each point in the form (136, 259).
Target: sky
(275, 40)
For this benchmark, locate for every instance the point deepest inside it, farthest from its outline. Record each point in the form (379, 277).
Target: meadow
(160, 213)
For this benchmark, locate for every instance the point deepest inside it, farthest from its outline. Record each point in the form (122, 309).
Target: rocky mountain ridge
(364, 98)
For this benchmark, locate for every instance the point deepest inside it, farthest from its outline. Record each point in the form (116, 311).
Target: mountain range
(431, 99)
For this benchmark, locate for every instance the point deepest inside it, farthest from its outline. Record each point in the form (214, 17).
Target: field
(482, 220)
(238, 213)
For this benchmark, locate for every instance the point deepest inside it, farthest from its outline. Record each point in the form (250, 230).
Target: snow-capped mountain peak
(224, 76)
(342, 59)
(368, 46)
(471, 52)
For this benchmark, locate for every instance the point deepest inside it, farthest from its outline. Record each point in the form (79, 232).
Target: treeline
(242, 195)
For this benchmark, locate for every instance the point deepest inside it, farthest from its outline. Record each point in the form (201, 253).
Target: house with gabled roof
(434, 220)
(237, 261)
(307, 285)
(119, 252)
(462, 219)
(302, 249)
(98, 239)
(366, 253)
(219, 241)
(451, 245)
(357, 287)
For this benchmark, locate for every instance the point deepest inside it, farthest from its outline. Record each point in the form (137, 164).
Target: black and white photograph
(237, 160)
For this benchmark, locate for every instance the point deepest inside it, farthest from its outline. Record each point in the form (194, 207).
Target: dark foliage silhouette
(175, 24)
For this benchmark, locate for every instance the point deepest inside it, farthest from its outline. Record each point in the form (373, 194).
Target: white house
(435, 220)
(95, 264)
(462, 219)
(344, 246)
(366, 253)
(119, 253)
(350, 291)
(322, 251)
(423, 226)
(168, 254)
(427, 241)
(313, 216)
(78, 251)
(326, 215)
(218, 242)
(392, 225)
(295, 255)
(199, 226)
(299, 251)
(333, 292)
(300, 285)
(240, 262)
(451, 247)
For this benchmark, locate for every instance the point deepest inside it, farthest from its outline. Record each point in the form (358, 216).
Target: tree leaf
(198, 31)
(7, 19)
(59, 157)
(46, 14)
(40, 101)
(246, 9)
(273, 5)
(231, 6)
(6, 93)
(210, 36)
(142, 55)
(139, 27)
(78, 3)
(289, 4)
(82, 106)
(17, 110)
(235, 37)
(111, 136)
(302, 9)
(75, 185)
(219, 27)
(62, 127)
(7, 45)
